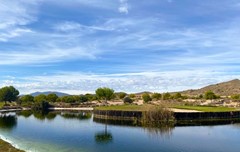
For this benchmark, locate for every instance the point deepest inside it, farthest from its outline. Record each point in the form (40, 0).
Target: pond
(80, 132)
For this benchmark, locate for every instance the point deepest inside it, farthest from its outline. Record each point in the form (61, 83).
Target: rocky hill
(224, 89)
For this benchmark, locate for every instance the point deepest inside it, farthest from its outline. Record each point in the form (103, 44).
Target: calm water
(78, 132)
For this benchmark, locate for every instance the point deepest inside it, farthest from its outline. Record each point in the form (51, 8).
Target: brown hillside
(224, 89)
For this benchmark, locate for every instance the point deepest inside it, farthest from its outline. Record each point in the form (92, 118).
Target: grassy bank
(6, 147)
(146, 107)
(205, 108)
(126, 107)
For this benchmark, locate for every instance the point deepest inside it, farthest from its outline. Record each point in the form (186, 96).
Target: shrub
(157, 116)
(166, 96)
(121, 95)
(127, 100)
(156, 96)
(132, 95)
(146, 97)
(210, 95)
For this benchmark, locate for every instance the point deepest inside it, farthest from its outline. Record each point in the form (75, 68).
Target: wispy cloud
(15, 14)
(158, 46)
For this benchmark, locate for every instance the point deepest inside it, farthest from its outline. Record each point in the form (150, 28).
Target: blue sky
(76, 46)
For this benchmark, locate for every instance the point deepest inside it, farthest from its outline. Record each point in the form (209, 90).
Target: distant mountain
(224, 89)
(60, 94)
(140, 93)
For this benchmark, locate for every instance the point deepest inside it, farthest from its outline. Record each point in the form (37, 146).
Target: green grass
(145, 107)
(1, 104)
(6, 147)
(126, 107)
(206, 108)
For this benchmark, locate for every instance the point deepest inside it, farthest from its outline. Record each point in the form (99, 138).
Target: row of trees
(11, 94)
(157, 96)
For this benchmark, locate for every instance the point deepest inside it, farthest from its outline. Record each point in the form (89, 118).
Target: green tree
(146, 97)
(40, 98)
(178, 96)
(91, 97)
(8, 93)
(27, 98)
(121, 95)
(166, 96)
(51, 97)
(67, 99)
(83, 98)
(210, 95)
(105, 93)
(127, 100)
(156, 96)
(132, 95)
(200, 96)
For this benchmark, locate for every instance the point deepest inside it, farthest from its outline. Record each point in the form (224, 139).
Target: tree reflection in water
(25, 113)
(103, 137)
(8, 121)
(162, 130)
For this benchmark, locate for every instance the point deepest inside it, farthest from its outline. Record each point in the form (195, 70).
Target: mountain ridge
(227, 88)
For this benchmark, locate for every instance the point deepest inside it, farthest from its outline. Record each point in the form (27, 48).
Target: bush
(132, 95)
(156, 96)
(83, 98)
(235, 97)
(43, 105)
(121, 95)
(127, 100)
(146, 97)
(166, 96)
(210, 95)
(157, 116)
(178, 96)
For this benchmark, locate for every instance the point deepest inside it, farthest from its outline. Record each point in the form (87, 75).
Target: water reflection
(76, 115)
(50, 115)
(8, 121)
(25, 113)
(162, 131)
(104, 136)
(42, 115)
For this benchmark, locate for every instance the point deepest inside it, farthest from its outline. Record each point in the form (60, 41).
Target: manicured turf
(126, 107)
(206, 108)
(6, 147)
(147, 106)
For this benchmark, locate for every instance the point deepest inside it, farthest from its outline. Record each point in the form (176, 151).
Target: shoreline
(77, 109)
(8, 146)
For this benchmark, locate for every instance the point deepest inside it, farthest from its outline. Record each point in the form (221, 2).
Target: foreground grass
(206, 108)
(6, 147)
(126, 107)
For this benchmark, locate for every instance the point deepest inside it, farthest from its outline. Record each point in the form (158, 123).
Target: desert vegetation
(9, 98)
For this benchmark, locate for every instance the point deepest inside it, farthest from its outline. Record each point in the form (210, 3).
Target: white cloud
(124, 6)
(76, 83)
(51, 55)
(14, 14)
(69, 26)
(13, 33)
